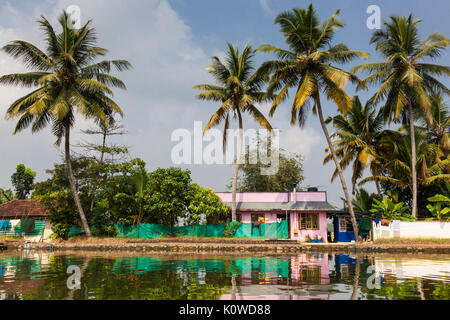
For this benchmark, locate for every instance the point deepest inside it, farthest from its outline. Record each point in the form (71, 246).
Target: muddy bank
(228, 247)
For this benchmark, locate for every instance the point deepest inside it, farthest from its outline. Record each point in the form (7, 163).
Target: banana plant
(440, 206)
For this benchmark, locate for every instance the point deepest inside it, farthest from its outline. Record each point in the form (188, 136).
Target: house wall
(301, 235)
(417, 229)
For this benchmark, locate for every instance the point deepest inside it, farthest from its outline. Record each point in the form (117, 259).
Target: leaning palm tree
(307, 66)
(357, 135)
(238, 90)
(405, 80)
(67, 81)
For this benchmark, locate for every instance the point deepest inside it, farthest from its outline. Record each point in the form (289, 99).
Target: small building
(11, 214)
(304, 213)
(18, 209)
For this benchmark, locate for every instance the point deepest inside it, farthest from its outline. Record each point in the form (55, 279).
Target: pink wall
(301, 235)
(274, 196)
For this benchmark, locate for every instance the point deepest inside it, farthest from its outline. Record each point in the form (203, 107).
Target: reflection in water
(301, 277)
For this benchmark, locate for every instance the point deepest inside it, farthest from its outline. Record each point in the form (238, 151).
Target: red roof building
(18, 209)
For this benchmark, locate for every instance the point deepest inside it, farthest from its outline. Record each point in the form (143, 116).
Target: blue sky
(169, 44)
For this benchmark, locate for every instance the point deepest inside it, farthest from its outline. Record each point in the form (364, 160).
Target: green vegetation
(22, 180)
(67, 81)
(409, 164)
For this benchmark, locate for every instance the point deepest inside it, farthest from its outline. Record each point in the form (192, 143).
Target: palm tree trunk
(236, 167)
(339, 169)
(413, 161)
(356, 278)
(72, 183)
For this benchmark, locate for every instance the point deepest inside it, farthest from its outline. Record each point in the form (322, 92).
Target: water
(31, 276)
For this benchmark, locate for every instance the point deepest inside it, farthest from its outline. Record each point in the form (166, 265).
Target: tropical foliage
(68, 79)
(440, 206)
(390, 208)
(406, 78)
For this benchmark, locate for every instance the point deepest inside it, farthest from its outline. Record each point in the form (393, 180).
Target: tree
(68, 81)
(204, 202)
(22, 180)
(167, 194)
(437, 126)
(307, 66)
(356, 137)
(6, 196)
(238, 91)
(405, 80)
(363, 200)
(289, 174)
(394, 150)
(105, 152)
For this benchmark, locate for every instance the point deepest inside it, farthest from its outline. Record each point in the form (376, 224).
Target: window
(257, 218)
(238, 217)
(308, 221)
(345, 225)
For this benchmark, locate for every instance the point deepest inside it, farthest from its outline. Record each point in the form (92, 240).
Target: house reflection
(291, 278)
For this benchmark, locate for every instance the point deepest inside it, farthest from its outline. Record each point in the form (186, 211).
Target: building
(303, 213)
(18, 209)
(12, 212)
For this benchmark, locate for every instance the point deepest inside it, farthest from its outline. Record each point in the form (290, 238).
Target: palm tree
(437, 126)
(67, 81)
(363, 200)
(358, 133)
(405, 80)
(238, 90)
(307, 65)
(395, 151)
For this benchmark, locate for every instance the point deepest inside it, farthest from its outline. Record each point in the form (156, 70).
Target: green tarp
(244, 230)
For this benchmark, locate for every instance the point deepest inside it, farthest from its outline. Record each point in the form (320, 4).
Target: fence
(417, 229)
(243, 230)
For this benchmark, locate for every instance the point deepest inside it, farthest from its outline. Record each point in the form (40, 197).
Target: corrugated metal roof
(283, 206)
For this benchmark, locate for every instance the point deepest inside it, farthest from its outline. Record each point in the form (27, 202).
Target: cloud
(265, 6)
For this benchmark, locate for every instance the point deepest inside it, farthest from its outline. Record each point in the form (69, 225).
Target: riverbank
(233, 246)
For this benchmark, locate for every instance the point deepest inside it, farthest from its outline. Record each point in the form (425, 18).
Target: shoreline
(229, 246)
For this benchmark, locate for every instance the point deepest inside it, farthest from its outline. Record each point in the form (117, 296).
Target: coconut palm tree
(404, 78)
(437, 126)
(357, 135)
(395, 151)
(239, 89)
(307, 66)
(68, 80)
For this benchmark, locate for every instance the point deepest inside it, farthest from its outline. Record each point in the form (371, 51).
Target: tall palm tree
(239, 89)
(68, 80)
(395, 151)
(307, 66)
(357, 135)
(404, 78)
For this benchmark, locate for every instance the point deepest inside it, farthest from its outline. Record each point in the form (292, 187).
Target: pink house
(305, 212)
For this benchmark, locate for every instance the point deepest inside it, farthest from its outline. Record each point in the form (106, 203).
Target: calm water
(300, 277)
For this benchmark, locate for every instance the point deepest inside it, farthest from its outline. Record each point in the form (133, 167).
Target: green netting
(155, 231)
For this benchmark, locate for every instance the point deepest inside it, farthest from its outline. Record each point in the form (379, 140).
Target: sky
(169, 43)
